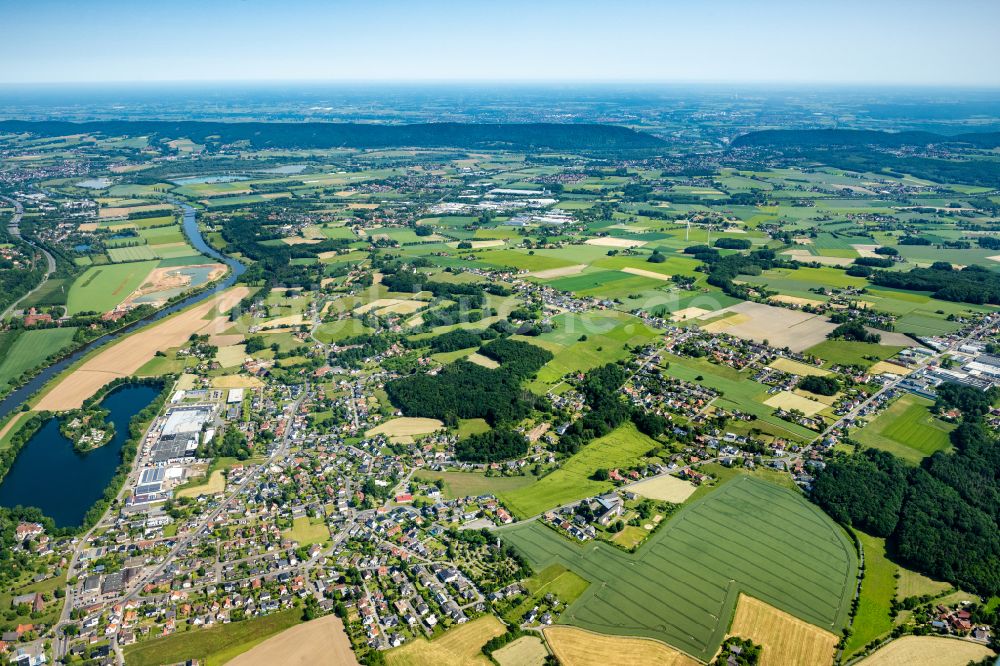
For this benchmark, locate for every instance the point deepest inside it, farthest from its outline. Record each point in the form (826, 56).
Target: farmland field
(465, 484)
(907, 429)
(681, 587)
(927, 651)
(101, 288)
(208, 645)
(318, 642)
(30, 348)
(459, 646)
(525, 651)
(787, 640)
(578, 647)
(621, 447)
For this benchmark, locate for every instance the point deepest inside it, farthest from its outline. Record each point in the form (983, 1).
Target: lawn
(468, 484)
(212, 646)
(619, 448)
(307, 531)
(31, 348)
(846, 352)
(101, 288)
(877, 592)
(907, 429)
(682, 586)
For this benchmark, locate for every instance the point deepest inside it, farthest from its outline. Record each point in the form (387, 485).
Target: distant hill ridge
(353, 135)
(827, 138)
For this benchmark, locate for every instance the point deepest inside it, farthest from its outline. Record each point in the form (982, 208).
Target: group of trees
(825, 385)
(560, 136)
(940, 518)
(494, 445)
(232, 444)
(854, 331)
(464, 390)
(972, 284)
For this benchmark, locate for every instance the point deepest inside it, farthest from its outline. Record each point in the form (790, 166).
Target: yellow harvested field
(299, 240)
(689, 313)
(927, 651)
(225, 339)
(867, 251)
(885, 366)
(231, 356)
(216, 483)
(644, 273)
(781, 327)
(793, 300)
(796, 368)
(788, 400)
(279, 322)
(186, 382)
(357, 206)
(88, 227)
(726, 322)
(525, 651)
(667, 488)
(125, 357)
(406, 426)
(386, 303)
(122, 211)
(608, 241)
(479, 359)
(787, 640)
(579, 647)
(480, 244)
(237, 381)
(403, 307)
(460, 646)
(320, 642)
(559, 272)
(807, 257)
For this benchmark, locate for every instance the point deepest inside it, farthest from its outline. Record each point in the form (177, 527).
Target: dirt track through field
(124, 358)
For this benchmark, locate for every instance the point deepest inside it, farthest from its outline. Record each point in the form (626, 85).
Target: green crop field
(681, 587)
(211, 646)
(101, 288)
(621, 447)
(846, 352)
(137, 253)
(907, 429)
(30, 348)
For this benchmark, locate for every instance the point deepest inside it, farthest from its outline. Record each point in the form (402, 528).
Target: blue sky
(749, 41)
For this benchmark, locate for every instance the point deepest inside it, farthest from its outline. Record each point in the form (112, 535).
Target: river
(13, 401)
(49, 474)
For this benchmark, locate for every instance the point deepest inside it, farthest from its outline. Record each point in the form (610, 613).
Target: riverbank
(30, 390)
(125, 357)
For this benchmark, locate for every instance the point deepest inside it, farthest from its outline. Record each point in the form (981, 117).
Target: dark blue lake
(64, 484)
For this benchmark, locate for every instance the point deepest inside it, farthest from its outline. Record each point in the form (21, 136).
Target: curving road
(14, 228)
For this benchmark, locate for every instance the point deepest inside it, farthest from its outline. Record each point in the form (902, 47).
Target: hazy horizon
(849, 43)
